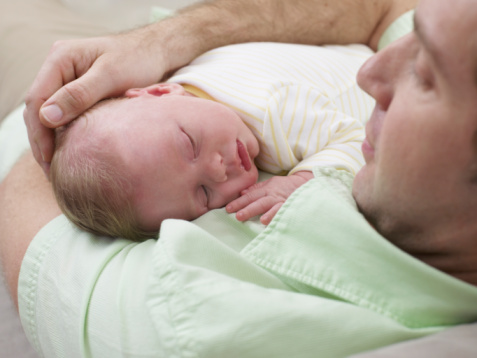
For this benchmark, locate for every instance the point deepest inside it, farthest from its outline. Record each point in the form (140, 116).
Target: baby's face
(186, 155)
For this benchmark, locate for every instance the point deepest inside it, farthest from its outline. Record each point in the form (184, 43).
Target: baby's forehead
(91, 126)
(111, 109)
(104, 116)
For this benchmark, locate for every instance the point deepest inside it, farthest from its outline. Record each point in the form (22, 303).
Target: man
(417, 189)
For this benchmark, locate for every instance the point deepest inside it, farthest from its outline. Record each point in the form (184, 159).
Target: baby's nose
(217, 169)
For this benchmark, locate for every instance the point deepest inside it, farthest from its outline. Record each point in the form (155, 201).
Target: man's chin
(360, 180)
(361, 191)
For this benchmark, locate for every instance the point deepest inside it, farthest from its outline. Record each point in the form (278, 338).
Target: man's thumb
(53, 114)
(70, 101)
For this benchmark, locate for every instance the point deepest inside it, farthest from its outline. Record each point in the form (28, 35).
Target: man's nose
(216, 169)
(379, 74)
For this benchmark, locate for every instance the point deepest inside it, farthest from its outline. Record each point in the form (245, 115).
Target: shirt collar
(327, 248)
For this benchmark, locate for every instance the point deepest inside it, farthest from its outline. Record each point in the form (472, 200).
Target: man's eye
(422, 81)
(421, 73)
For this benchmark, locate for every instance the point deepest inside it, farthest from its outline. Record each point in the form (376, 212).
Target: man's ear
(158, 89)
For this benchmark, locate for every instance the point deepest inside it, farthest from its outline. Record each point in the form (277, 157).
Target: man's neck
(449, 246)
(458, 259)
(454, 254)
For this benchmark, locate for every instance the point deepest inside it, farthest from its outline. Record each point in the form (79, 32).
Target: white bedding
(13, 140)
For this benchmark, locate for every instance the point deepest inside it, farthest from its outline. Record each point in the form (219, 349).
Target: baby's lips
(244, 156)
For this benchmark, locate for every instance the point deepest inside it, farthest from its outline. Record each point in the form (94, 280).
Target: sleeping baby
(178, 149)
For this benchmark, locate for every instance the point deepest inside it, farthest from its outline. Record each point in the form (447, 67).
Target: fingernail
(52, 113)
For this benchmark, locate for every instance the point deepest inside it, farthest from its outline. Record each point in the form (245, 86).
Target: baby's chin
(253, 178)
(255, 173)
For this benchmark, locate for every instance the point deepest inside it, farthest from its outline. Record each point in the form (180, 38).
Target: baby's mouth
(243, 155)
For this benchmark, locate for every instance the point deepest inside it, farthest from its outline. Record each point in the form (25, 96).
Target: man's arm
(79, 73)
(26, 205)
(216, 23)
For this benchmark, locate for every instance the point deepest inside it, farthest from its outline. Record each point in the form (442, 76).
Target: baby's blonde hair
(92, 189)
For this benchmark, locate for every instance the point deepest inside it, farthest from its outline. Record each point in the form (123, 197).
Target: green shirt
(400, 27)
(318, 281)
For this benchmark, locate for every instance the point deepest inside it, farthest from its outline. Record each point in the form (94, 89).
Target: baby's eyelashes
(206, 194)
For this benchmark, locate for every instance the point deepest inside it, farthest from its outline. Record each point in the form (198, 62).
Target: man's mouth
(368, 150)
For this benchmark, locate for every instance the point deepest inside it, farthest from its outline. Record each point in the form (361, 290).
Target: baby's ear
(159, 89)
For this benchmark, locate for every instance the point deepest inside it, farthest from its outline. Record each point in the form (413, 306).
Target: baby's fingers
(266, 218)
(254, 187)
(244, 200)
(258, 207)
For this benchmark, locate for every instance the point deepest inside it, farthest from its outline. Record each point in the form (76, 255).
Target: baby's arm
(267, 197)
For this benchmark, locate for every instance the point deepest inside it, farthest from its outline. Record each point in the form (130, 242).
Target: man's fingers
(67, 103)
(77, 96)
(57, 70)
(45, 140)
(41, 142)
(76, 75)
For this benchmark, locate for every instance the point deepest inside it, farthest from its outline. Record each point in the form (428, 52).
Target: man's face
(186, 155)
(421, 142)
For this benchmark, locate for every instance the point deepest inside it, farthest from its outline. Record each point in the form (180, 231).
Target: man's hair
(92, 189)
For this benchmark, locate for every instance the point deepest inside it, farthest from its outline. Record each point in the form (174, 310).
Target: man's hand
(79, 73)
(267, 197)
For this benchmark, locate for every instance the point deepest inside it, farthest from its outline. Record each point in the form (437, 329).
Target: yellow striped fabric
(301, 102)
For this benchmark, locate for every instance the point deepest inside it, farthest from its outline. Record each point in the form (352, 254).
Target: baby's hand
(267, 197)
